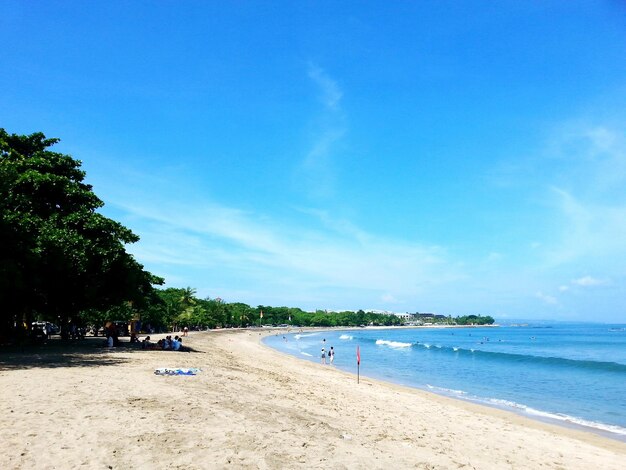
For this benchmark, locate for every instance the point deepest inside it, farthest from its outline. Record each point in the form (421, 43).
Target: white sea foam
(348, 337)
(392, 344)
(306, 354)
(427, 346)
(559, 417)
(455, 348)
(518, 407)
(507, 403)
(446, 390)
(298, 336)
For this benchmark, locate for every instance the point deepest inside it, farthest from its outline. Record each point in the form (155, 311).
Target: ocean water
(572, 374)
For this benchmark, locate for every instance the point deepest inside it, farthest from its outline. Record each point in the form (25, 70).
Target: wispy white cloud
(389, 299)
(588, 192)
(330, 92)
(322, 148)
(574, 189)
(588, 229)
(494, 257)
(588, 281)
(548, 299)
(585, 173)
(333, 261)
(594, 157)
(316, 171)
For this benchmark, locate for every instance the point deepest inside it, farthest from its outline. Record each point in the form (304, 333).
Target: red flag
(358, 356)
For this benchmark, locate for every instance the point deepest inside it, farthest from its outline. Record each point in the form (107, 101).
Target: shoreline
(254, 407)
(564, 421)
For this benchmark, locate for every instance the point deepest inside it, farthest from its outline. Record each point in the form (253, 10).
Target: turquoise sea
(572, 374)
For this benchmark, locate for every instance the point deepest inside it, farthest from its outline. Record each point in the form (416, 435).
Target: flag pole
(358, 364)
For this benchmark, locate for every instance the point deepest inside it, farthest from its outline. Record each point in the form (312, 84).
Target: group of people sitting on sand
(166, 343)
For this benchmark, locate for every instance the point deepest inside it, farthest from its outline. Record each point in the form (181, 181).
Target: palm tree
(187, 297)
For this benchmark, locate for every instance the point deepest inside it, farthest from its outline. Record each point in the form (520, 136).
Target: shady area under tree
(59, 257)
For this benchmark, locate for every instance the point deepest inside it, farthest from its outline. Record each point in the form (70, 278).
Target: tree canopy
(474, 320)
(177, 308)
(59, 256)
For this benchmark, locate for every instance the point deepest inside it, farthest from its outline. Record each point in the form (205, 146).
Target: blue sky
(450, 157)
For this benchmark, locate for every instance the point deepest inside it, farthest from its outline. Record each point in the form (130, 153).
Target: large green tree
(59, 256)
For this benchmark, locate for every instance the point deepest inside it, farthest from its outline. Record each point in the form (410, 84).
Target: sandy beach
(252, 407)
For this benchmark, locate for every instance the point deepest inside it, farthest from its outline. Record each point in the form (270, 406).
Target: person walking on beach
(331, 354)
(323, 356)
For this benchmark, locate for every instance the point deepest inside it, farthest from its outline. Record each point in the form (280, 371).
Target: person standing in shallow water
(331, 355)
(323, 356)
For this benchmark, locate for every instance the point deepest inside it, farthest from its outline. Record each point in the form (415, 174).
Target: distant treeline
(178, 308)
(474, 320)
(175, 308)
